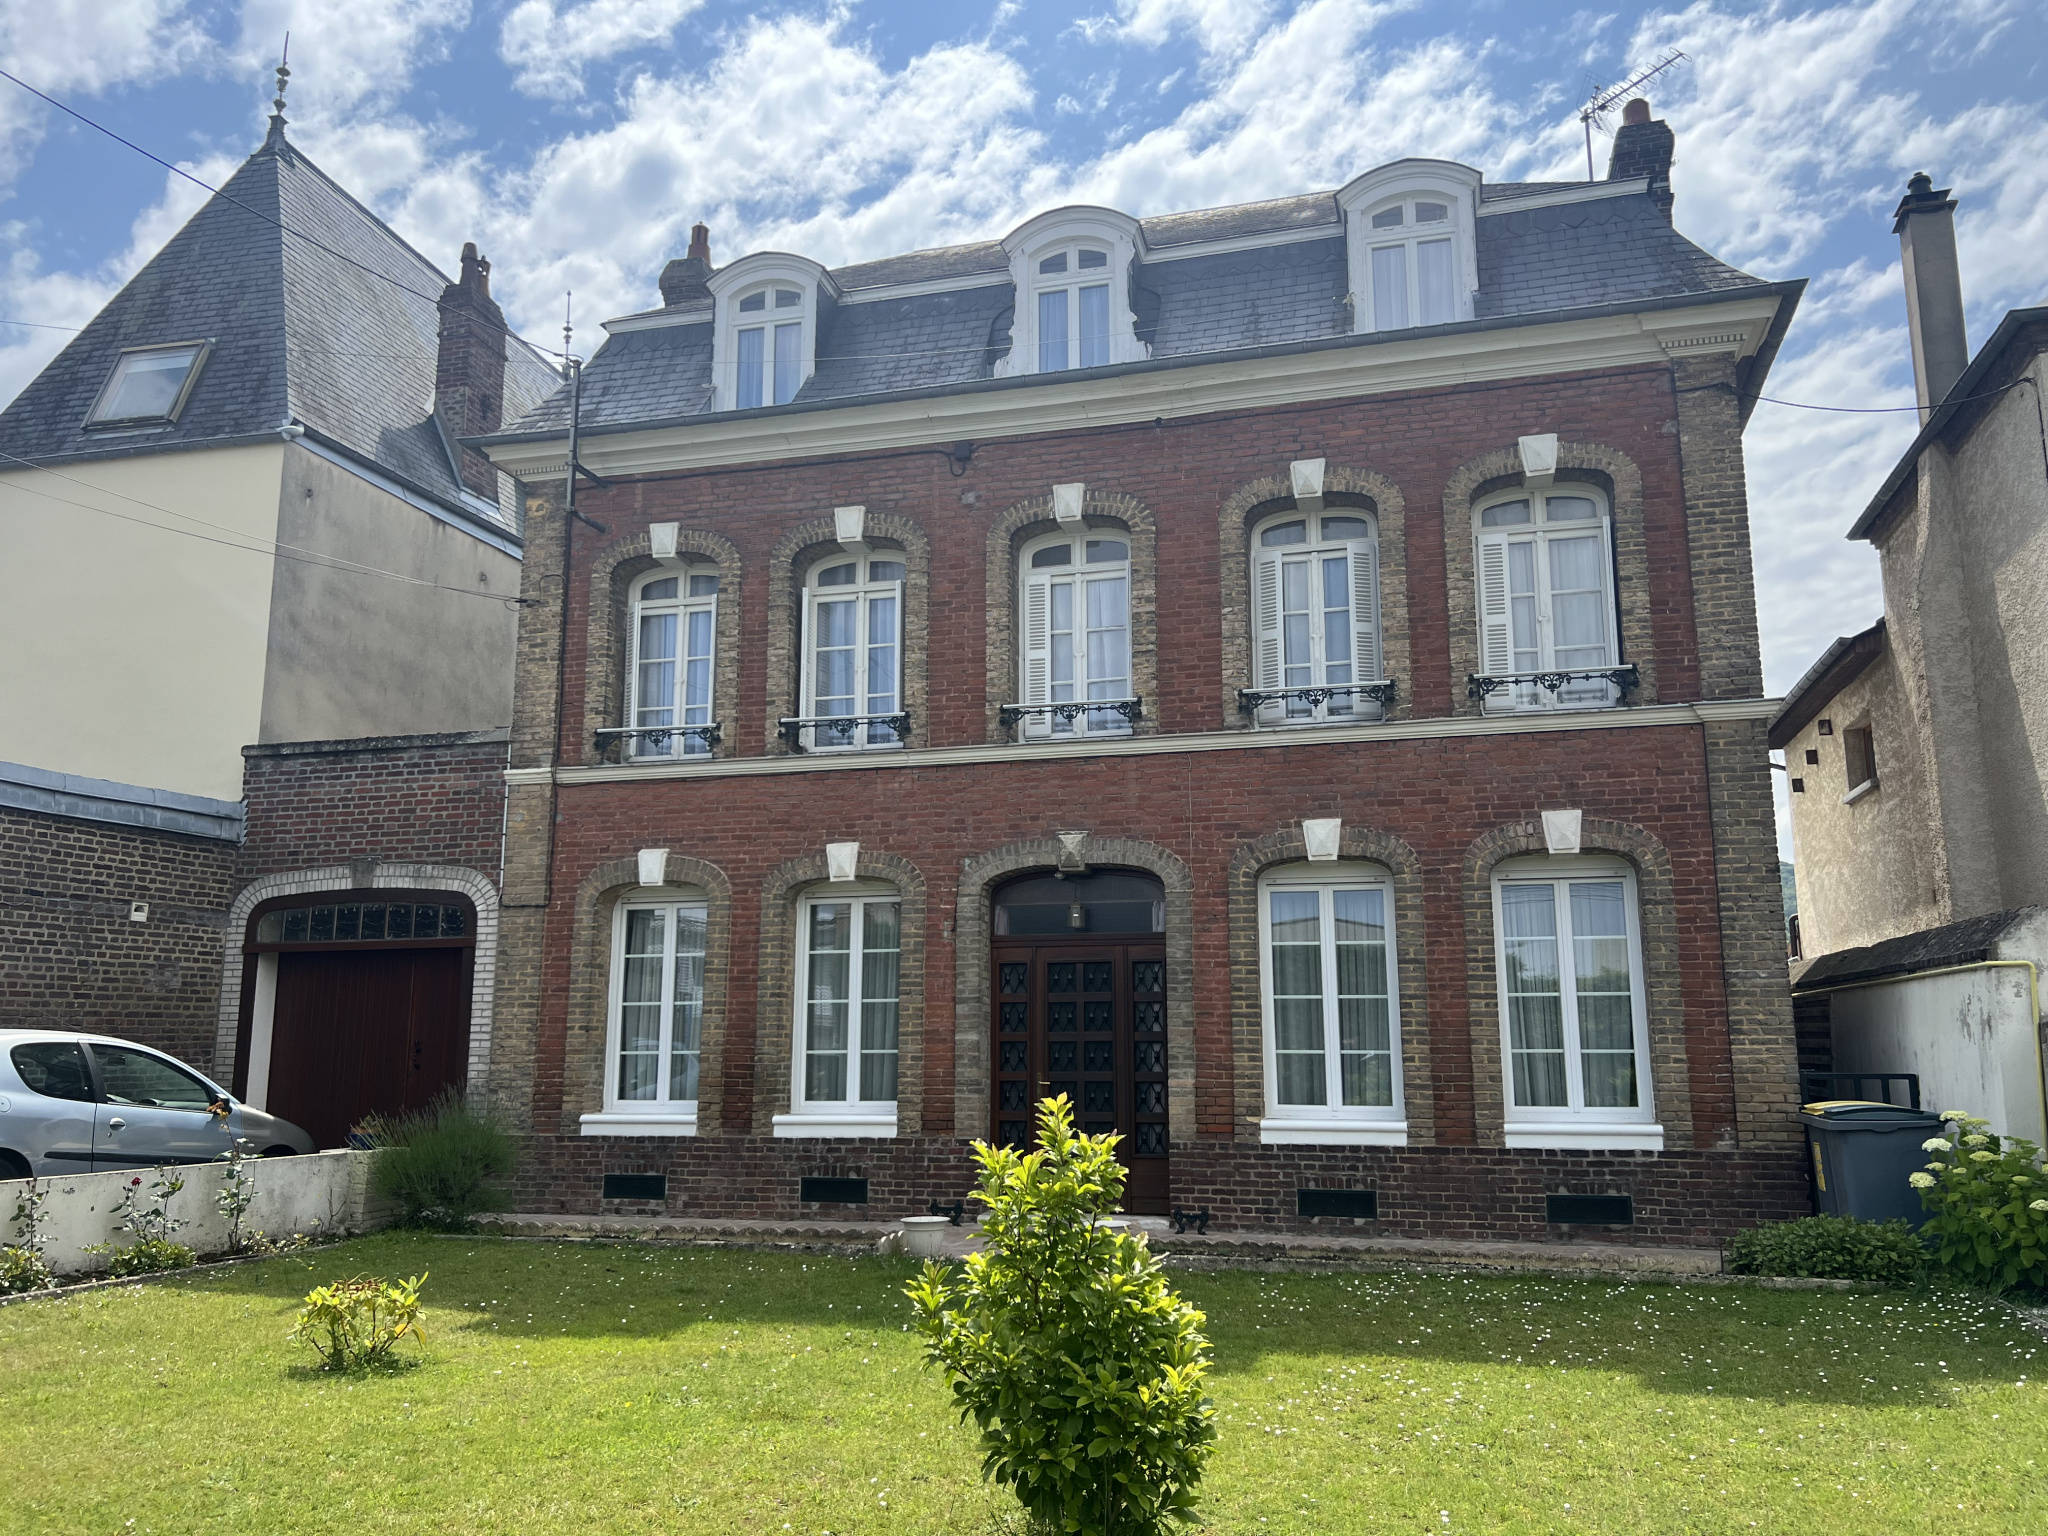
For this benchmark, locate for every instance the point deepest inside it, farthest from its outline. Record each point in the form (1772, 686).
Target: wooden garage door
(365, 1032)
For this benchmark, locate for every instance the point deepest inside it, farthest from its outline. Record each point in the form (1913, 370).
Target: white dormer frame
(732, 283)
(1443, 180)
(1037, 238)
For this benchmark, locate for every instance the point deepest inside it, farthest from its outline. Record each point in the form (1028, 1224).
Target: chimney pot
(1926, 226)
(686, 279)
(1637, 111)
(700, 243)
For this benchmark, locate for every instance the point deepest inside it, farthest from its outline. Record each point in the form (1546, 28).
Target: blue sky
(577, 140)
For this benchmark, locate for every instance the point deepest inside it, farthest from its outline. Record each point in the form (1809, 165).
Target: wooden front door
(365, 1032)
(1086, 1017)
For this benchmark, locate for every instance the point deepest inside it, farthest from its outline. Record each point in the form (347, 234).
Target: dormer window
(1409, 231)
(148, 384)
(1413, 265)
(1072, 288)
(769, 347)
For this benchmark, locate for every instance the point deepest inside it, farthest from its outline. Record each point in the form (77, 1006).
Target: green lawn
(618, 1389)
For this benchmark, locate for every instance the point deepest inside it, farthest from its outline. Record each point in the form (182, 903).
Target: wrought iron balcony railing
(843, 733)
(1064, 714)
(615, 742)
(1597, 688)
(1307, 706)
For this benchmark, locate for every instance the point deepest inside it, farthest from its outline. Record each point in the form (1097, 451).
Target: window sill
(1584, 1136)
(622, 1122)
(1859, 791)
(816, 1123)
(1304, 1132)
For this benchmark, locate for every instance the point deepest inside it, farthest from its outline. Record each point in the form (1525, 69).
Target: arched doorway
(1079, 989)
(357, 1004)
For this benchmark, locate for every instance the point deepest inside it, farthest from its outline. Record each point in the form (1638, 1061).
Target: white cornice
(998, 277)
(1434, 728)
(1591, 192)
(1194, 388)
(1153, 254)
(660, 319)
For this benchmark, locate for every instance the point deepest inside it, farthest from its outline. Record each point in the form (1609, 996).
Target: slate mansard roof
(298, 336)
(1282, 279)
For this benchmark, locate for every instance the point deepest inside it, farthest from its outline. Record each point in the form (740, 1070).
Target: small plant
(355, 1324)
(148, 1219)
(22, 1266)
(1830, 1248)
(1066, 1346)
(443, 1164)
(1989, 1202)
(237, 1190)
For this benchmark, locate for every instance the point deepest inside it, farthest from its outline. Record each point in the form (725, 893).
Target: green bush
(442, 1164)
(1083, 1370)
(1830, 1248)
(151, 1256)
(1989, 1203)
(23, 1269)
(354, 1324)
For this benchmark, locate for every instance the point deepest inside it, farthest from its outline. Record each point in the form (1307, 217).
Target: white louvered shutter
(1496, 619)
(1037, 646)
(1266, 653)
(1365, 613)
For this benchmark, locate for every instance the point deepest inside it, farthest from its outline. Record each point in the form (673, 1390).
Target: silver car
(90, 1104)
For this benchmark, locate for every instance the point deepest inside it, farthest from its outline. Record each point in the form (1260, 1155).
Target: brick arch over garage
(972, 950)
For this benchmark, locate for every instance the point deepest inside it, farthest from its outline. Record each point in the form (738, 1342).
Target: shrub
(1083, 1370)
(148, 1219)
(22, 1267)
(1830, 1248)
(441, 1164)
(151, 1256)
(355, 1324)
(1989, 1203)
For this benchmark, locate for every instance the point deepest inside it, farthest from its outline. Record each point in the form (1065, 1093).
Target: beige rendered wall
(356, 655)
(128, 651)
(1868, 869)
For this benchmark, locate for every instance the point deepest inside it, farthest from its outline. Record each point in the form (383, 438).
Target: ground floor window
(848, 970)
(1331, 1006)
(657, 1022)
(1575, 1034)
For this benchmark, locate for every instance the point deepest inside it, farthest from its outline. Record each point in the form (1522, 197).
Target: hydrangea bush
(1988, 1200)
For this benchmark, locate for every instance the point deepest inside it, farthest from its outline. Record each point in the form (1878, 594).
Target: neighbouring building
(1285, 676)
(239, 511)
(1915, 748)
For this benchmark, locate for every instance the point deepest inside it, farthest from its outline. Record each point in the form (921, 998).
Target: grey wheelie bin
(1863, 1154)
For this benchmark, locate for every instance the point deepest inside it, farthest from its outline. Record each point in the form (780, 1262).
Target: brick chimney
(469, 368)
(683, 280)
(1642, 147)
(1926, 227)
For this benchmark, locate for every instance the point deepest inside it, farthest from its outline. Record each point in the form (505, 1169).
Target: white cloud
(549, 47)
(348, 55)
(1221, 27)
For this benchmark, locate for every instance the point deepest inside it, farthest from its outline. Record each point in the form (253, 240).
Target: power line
(37, 325)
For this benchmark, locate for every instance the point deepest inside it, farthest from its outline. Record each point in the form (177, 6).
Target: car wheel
(280, 1151)
(14, 1166)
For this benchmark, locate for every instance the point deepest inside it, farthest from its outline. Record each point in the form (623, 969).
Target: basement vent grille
(1590, 1210)
(636, 1186)
(814, 1191)
(1359, 1204)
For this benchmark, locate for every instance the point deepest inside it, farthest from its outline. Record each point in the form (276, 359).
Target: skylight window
(149, 384)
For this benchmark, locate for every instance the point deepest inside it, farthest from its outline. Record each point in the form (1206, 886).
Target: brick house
(1284, 675)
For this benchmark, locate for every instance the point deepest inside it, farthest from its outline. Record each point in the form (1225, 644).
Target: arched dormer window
(765, 344)
(1544, 563)
(1316, 617)
(1409, 227)
(669, 672)
(1074, 608)
(853, 653)
(1071, 268)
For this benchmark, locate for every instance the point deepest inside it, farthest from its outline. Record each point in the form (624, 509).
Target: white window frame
(684, 606)
(199, 350)
(1036, 639)
(1104, 229)
(1071, 282)
(1573, 1125)
(648, 1117)
(862, 590)
(754, 274)
(1406, 181)
(851, 1116)
(1490, 586)
(1330, 1124)
(1405, 310)
(1365, 661)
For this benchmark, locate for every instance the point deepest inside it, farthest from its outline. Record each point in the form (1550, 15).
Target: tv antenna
(1604, 101)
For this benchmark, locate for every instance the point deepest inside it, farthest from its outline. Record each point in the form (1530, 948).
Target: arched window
(1575, 1035)
(1331, 1003)
(1070, 287)
(768, 346)
(848, 1004)
(668, 674)
(853, 654)
(1074, 608)
(654, 1042)
(1412, 258)
(1316, 618)
(1545, 579)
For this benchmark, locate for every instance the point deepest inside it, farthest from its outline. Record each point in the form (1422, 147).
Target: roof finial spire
(284, 75)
